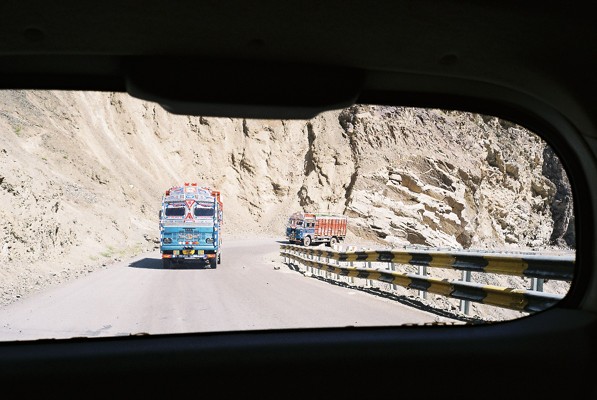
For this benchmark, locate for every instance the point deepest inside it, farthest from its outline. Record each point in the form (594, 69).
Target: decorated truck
(191, 225)
(316, 228)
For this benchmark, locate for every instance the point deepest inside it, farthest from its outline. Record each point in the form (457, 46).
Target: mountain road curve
(252, 289)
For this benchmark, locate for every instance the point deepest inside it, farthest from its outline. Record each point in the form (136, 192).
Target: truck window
(175, 212)
(204, 212)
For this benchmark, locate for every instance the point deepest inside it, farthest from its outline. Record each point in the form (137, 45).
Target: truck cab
(301, 228)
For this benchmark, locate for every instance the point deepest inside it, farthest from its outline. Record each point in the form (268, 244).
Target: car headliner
(236, 52)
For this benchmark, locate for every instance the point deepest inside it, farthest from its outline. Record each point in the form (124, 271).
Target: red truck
(307, 228)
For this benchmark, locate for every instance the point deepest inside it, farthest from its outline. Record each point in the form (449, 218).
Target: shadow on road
(156, 263)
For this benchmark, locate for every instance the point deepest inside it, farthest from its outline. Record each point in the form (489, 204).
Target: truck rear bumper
(196, 254)
(173, 258)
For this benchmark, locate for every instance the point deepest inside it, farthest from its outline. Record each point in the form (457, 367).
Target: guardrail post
(392, 268)
(350, 248)
(465, 304)
(304, 264)
(328, 274)
(319, 271)
(336, 247)
(537, 284)
(423, 272)
(368, 282)
(298, 263)
(308, 268)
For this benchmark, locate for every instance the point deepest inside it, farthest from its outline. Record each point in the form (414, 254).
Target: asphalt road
(250, 290)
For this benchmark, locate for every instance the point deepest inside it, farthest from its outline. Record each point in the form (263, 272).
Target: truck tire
(307, 241)
(333, 241)
(219, 258)
(213, 263)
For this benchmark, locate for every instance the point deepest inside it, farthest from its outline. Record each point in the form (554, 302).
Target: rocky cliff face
(455, 180)
(81, 176)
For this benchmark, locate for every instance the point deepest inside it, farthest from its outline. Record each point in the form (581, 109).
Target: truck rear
(190, 225)
(315, 228)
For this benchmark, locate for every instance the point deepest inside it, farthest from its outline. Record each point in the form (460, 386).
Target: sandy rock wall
(455, 180)
(81, 175)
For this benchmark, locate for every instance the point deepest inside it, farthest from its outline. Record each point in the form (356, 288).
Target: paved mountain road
(251, 289)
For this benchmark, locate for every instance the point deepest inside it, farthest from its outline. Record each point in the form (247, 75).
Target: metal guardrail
(533, 266)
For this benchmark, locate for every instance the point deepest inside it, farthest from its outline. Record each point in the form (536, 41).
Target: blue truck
(191, 225)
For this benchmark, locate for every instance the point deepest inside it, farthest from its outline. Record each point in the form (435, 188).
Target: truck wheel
(307, 241)
(213, 264)
(219, 258)
(333, 241)
(166, 263)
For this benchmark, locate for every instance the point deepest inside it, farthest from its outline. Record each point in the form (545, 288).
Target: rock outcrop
(82, 174)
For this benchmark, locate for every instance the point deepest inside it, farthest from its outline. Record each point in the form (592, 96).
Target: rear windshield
(175, 212)
(204, 212)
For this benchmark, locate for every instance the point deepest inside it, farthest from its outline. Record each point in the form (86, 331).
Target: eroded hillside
(81, 177)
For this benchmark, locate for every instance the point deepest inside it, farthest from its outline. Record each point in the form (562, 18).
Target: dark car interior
(533, 63)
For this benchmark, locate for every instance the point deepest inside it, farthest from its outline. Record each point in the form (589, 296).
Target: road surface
(250, 290)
